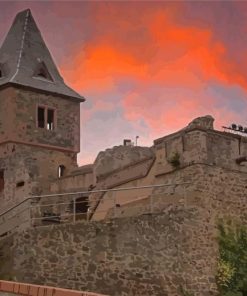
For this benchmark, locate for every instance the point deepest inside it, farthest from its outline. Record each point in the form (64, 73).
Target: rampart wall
(146, 255)
(207, 162)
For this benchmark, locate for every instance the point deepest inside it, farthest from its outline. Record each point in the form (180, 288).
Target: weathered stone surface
(30, 155)
(206, 122)
(200, 151)
(146, 255)
(119, 157)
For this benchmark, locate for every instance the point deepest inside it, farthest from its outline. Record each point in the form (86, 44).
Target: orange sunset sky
(145, 68)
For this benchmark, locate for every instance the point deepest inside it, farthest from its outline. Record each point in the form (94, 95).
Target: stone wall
(199, 145)
(215, 190)
(202, 152)
(145, 255)
(30, 156)
(28, 171)
(19, 119)
(219, 191)
(6, 96)
(34, 167)
(76, 181)
(119, 157)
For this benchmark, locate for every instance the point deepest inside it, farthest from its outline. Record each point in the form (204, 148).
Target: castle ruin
(200, 169)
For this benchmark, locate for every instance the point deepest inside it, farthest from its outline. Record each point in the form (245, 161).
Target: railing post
(184, 196)
(115, 206)
(30, 215)
(151, 203)
(74, 209)
(88, 214)
(173, 188)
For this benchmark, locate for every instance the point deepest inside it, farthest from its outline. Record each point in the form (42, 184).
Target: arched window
(61, 170)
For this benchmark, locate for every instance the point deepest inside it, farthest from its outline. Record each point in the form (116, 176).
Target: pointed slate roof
(26, 61)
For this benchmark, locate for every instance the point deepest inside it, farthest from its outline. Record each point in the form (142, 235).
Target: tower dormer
(39, 113)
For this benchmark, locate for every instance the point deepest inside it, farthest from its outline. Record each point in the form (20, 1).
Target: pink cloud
(177, 62)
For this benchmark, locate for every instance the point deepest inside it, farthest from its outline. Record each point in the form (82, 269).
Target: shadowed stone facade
(39, 115)
(146, 255)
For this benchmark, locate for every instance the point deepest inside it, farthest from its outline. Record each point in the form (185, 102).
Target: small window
(1, 180)
(46, 118)
(42, 72)
(1, 70)
(50, 119)
(61, 170)
(41, 117)
(20, 184)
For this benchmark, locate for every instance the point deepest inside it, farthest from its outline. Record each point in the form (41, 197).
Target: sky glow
(145, 68)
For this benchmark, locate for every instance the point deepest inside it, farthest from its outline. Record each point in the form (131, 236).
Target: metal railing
(84, 205)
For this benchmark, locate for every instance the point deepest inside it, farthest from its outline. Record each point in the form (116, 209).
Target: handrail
(15, 206)
(89, 192)
(106, 190)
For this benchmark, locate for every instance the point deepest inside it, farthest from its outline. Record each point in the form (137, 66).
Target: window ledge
(43, 79)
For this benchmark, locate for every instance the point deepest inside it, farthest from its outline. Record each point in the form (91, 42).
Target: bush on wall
(232, 265)
(175, 160)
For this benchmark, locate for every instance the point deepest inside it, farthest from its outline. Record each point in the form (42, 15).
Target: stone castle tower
(39, 115)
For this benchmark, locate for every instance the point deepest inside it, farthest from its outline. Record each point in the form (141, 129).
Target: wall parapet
(145, 255)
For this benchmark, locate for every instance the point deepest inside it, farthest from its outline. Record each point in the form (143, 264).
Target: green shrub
(232, 265)
(175, 160)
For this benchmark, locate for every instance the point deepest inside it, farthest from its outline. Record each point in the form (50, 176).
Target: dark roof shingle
(23, 52)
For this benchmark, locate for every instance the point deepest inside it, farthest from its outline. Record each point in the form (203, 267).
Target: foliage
(225, 273)
(232, 265)
(175, 160)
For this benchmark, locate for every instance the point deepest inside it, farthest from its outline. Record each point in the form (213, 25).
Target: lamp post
(137, 137)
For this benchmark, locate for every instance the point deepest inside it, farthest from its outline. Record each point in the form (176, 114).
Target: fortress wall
(207, 161)
(125, 166)
(72, 183)
(217, 191)
(204, 146)
(190, 144)
(34, 166)
(145, 255)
